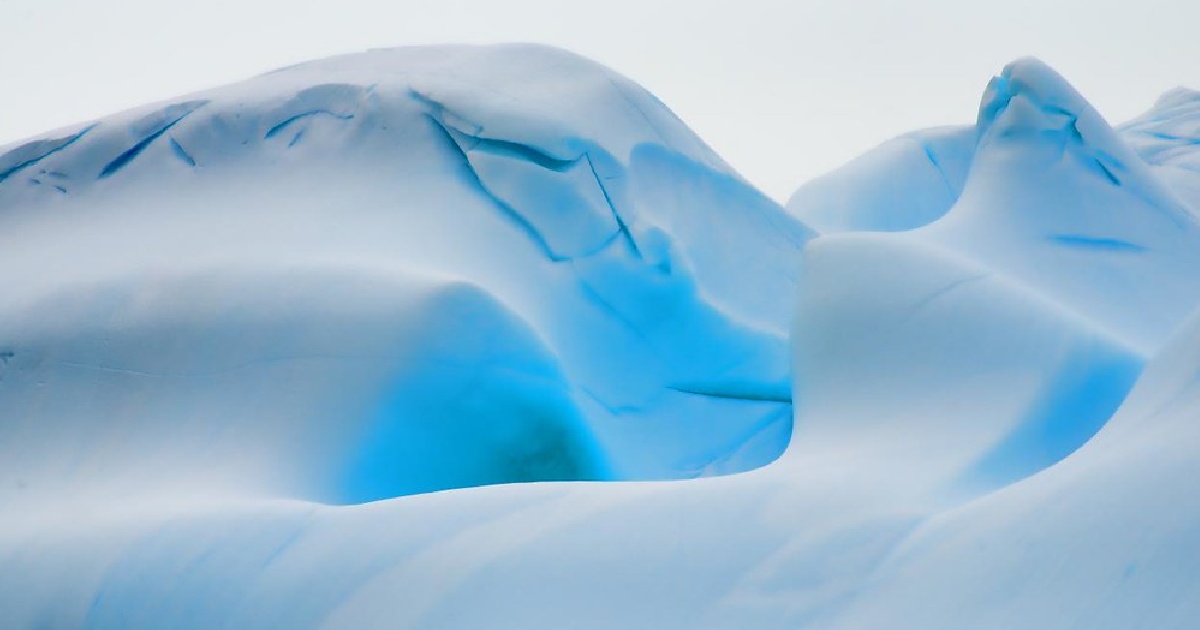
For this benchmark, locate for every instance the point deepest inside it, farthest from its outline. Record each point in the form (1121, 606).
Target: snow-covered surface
(484, 337)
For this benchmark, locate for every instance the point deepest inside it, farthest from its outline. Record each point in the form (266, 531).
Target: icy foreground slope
(268, 320)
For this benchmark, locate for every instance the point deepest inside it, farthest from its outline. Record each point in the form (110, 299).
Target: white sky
(783, 90)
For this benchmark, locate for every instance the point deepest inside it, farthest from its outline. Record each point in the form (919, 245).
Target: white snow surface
(479, 337)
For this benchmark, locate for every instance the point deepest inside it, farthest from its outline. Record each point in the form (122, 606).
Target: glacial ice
(462, 337)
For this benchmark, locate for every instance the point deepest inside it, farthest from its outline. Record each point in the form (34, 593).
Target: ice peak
(1176, 97)
(1031, 118)
(1030, 96)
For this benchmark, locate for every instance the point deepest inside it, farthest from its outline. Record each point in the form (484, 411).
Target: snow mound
(1058, 201)
(1042, 190)
(559, 189)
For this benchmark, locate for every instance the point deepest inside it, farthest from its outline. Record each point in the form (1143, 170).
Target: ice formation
(463, 337)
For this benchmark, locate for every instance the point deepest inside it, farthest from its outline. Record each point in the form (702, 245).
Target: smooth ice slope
(258, 309)
(902, 184)
(942, 368)
(1105, 540)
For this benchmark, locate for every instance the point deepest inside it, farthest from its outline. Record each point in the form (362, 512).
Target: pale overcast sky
(783, 90)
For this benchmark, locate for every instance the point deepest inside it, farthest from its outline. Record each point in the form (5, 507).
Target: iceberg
(461, 337)
(545, 182)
